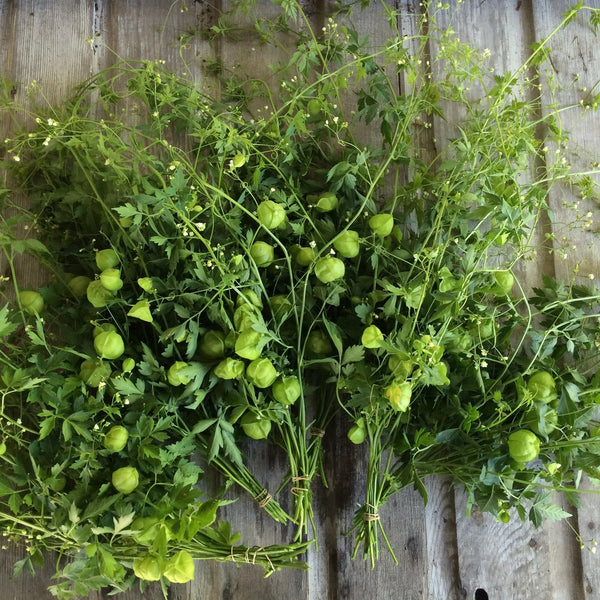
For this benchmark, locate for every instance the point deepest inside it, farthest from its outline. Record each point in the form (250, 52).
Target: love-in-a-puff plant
(220, 276)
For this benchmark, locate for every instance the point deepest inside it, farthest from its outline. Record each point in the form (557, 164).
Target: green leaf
(6, 326)
(141, 310)
(203, 425)
(334, 334)
(123, 522)
(544, 509)
(353, 354)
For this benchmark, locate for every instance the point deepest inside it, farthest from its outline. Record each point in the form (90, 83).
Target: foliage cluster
(219, 273)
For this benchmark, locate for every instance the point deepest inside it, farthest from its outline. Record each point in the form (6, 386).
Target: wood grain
(575, 66)
(443, 555)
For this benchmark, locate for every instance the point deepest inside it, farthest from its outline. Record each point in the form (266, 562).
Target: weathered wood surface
(443, 555)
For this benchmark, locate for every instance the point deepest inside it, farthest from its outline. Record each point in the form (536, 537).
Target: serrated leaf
(545, 509)
(123, 522)
(353, 354)
(6, 327)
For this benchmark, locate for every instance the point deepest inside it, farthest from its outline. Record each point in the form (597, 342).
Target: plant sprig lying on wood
(218, 275)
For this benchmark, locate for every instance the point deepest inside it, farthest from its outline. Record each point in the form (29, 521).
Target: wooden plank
(403, 516)
(440, 517)
(574, 70)
(246, 56)
(501, 560)
(42, 43)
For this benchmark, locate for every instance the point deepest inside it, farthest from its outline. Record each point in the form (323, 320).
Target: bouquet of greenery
(217, 274)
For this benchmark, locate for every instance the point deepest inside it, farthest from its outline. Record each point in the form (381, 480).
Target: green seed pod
(128, 365)
(382, 224)
(286, 390)
(270, 214)
(542, 387)
(327, 202)
(180, 568)
(230, 368)
(249, 344)
(541, 419)
(94, 372)
(147, 529)
(212, 345)
(174, 375)
(31, 302)
(107, 259)
(116, 438)
(78, 285)
(148, 568)
(399, 395)
(318, 342)
(358, 432)
(261, 372)
(329, 269)
(239, 160)
(250, 297)
(146, 284)
(372, 337)
(503, 282)
(523, 446)
(125, 479)
(111, 279)
(399, 367)
(98, 295)
(244, 317)
(262, 254)
(281, 308)
(314, 107)
(109, 345)
(347, 244)
(102, 328)
(483, 330)
(303, 255)
(255, 427)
